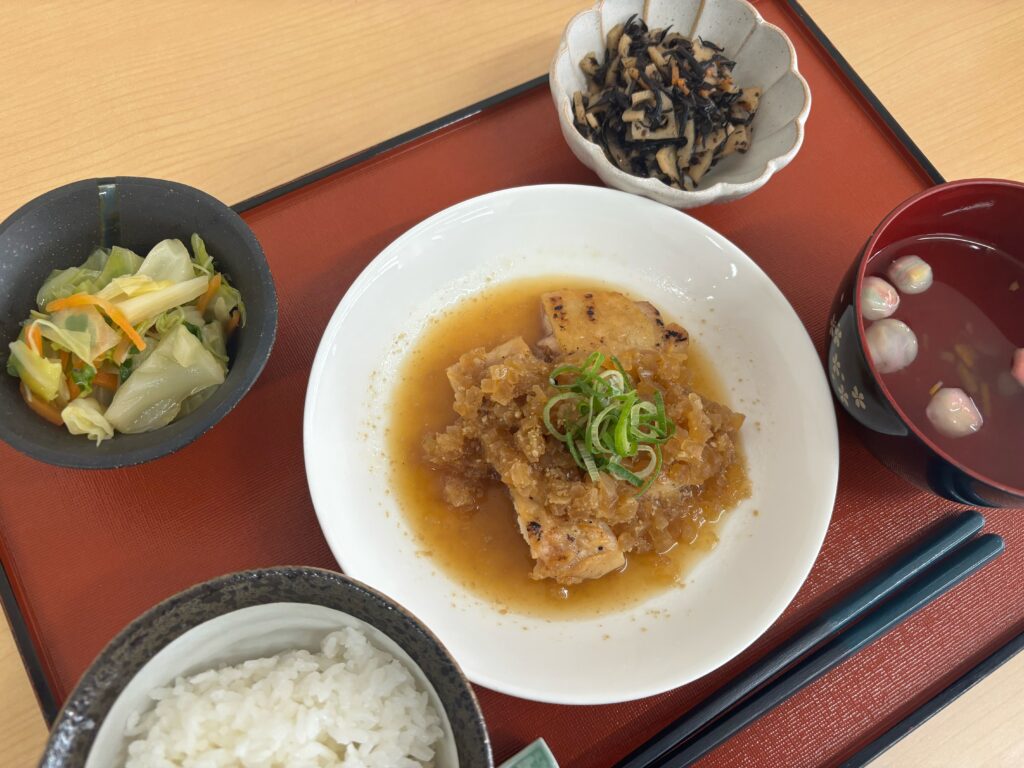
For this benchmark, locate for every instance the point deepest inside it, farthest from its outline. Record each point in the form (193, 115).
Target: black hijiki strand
(662, 105)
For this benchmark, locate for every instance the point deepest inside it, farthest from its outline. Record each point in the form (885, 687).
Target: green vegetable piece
(120, 263)
(64, 282)
(202, 262)
(126, 369)
(213, 338)
(602, 420)
(97, 260)
(41, 376)
(84, 416)
(152, 396)
(168, 260)
(225, 300)
(83, 377)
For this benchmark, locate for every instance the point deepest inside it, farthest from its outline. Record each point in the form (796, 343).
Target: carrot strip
(106, 380)
(34, 337)
(111, 311)
(207, 297)
(232, 323)
(41, 407)
(73, 389)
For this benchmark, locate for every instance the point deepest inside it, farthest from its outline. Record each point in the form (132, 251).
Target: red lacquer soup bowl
(964, 330)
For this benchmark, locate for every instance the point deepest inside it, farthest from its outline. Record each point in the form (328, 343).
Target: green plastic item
(537, 755)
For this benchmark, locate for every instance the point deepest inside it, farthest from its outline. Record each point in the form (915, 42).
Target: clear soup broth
(968, 324)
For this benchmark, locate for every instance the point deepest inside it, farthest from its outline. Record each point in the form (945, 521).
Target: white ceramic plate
(692, 274)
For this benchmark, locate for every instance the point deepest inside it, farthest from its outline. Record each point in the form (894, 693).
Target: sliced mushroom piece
(750, 99)
(614, 35)
(667, 160)
(642, 97)
(578, 107)
(624, 42)
(701, 166)
(738, 141)
(704, 159)
(668, 130)
(711, 141)
(702, 52)
(617, 153)
(612, 72)
(590, 65)
(683, 154)
(592, 121)
(739, 114)
(656, 57)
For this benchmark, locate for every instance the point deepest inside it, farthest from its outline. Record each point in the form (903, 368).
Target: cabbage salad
(124, 343)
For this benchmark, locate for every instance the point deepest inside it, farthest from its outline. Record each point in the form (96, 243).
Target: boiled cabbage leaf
(213, 338)
(121, 262)
(188, 315)
(226, 299)
(64, 282)
(146, 306)
(42, 376)
(202, 262)
(80, 330)
(84, 416)
(151, 397)
(132, 285)
(169, 260)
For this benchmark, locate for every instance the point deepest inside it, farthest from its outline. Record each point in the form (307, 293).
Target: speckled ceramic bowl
(60, 229)
(248, 615)
(764, 58)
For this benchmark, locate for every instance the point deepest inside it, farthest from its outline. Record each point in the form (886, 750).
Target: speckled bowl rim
(77, 724)
(234, 391)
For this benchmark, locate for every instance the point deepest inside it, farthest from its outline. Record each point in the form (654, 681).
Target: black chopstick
(935, 582)
(948, 536)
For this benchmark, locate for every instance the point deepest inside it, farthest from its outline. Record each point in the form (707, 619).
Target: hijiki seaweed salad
(124, 343)
(663, 106)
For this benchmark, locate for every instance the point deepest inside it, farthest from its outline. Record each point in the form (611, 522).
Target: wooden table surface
(235, 97)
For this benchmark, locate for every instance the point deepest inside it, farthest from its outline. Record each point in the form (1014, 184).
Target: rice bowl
(285, 654)
(350, 704)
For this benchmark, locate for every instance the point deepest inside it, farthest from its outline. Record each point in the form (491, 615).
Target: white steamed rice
(350, 705)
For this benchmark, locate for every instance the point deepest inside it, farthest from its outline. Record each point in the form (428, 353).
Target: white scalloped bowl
(764, 58)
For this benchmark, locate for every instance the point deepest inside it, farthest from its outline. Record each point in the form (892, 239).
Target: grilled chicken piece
(584, 321)
(568, 551)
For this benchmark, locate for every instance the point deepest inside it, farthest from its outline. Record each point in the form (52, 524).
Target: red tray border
(36, 666)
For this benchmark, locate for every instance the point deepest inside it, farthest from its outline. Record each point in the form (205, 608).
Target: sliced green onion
(655, 472)
(563, 436)
(616, 380)
(646, 471)
(604, 420)
(623, 445)
(588, 461)
(622, 473)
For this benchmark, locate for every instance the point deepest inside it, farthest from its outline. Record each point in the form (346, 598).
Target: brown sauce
(483, 549)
